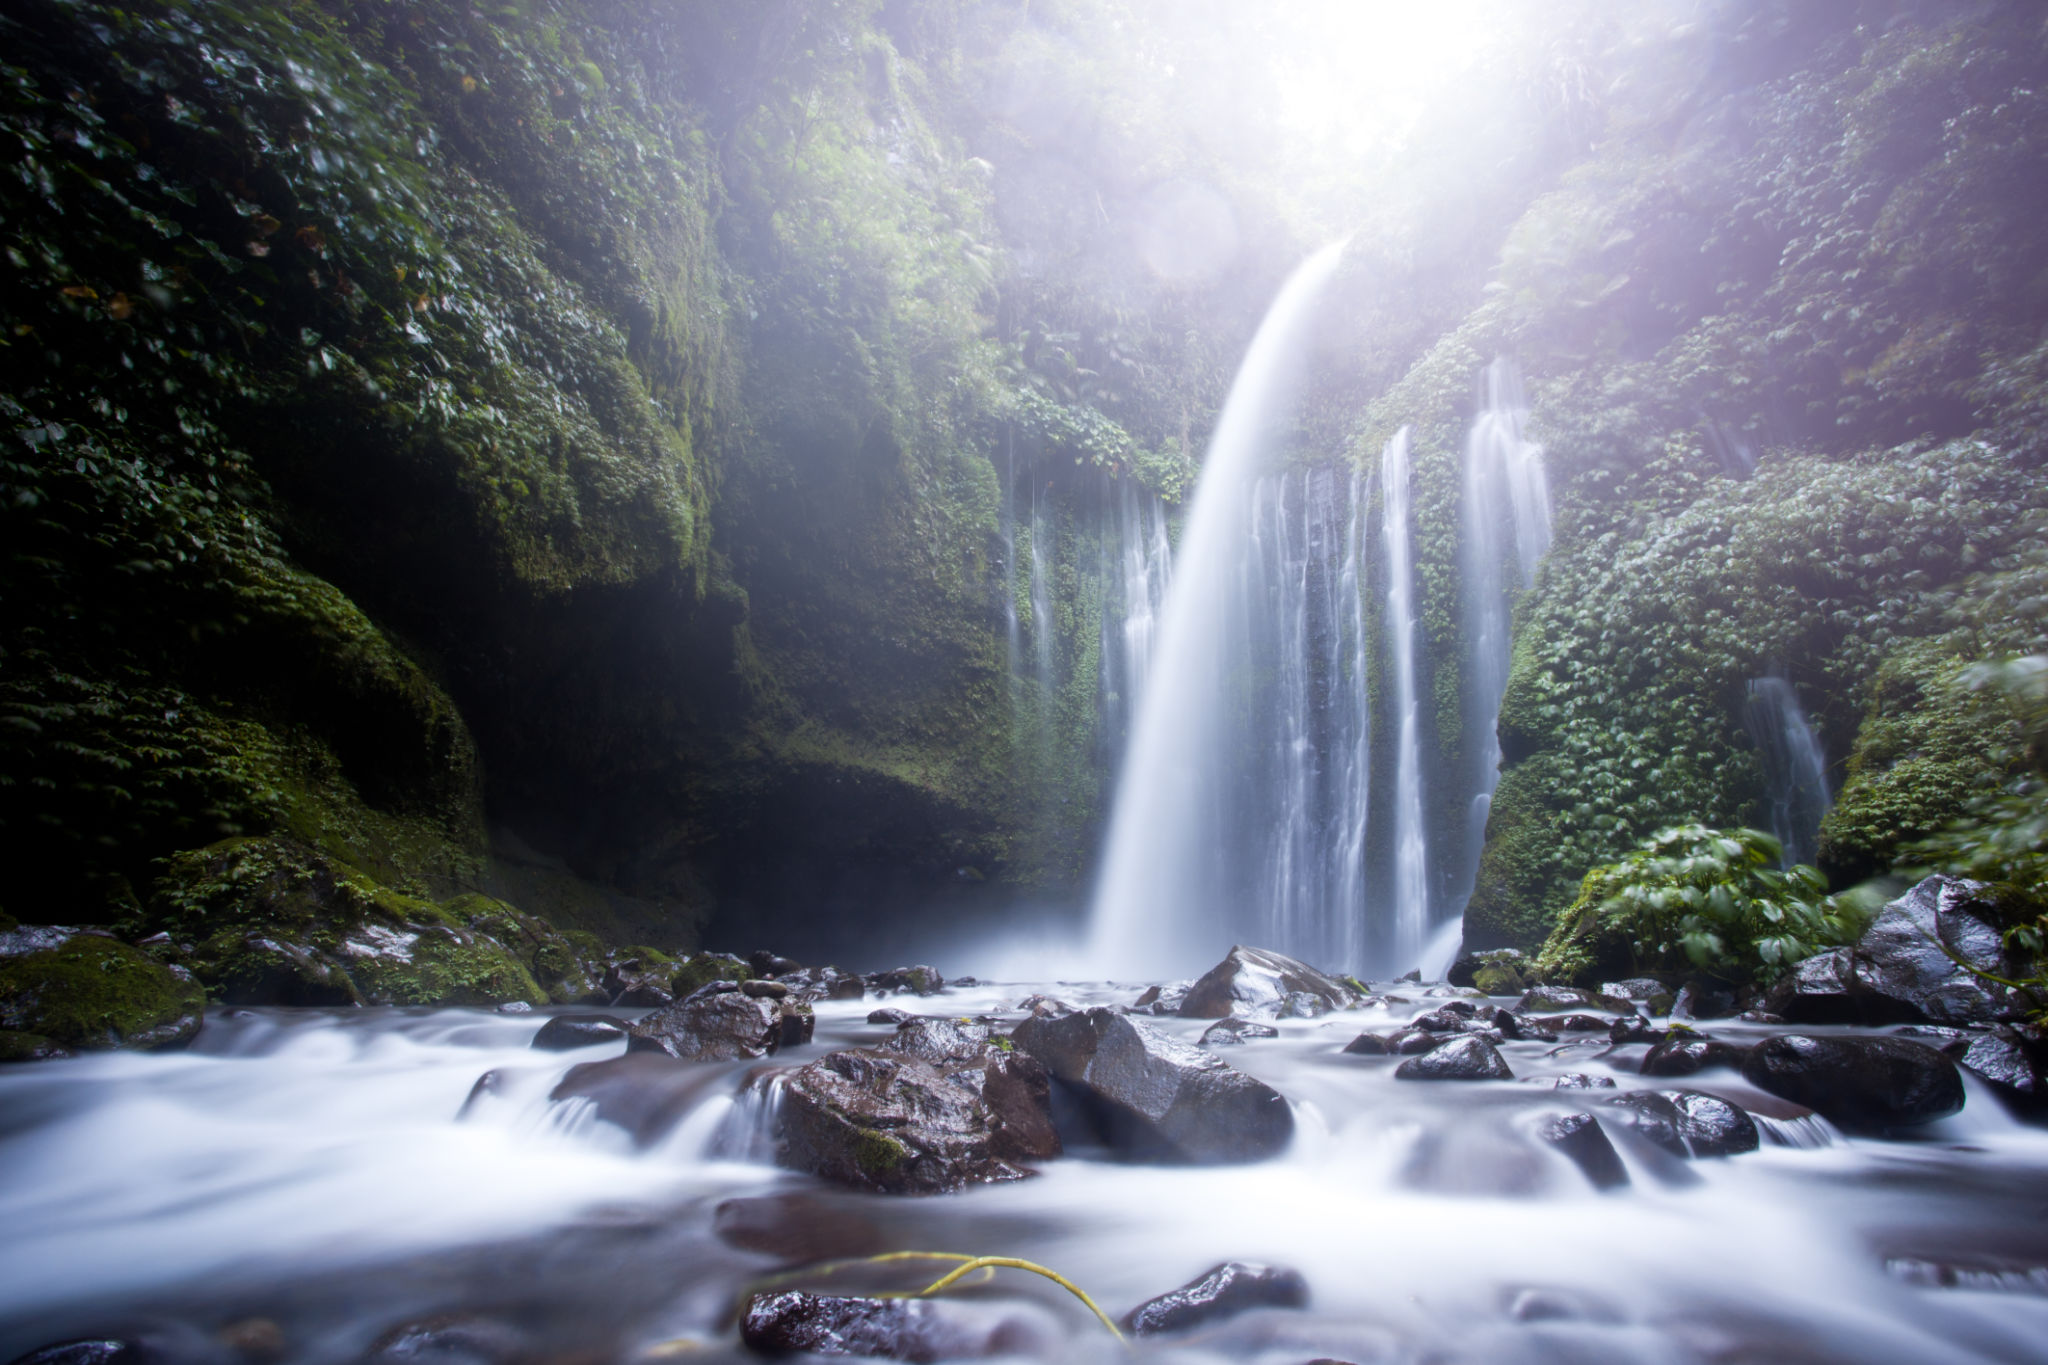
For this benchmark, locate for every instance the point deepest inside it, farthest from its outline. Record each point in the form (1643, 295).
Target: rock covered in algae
(64, 988)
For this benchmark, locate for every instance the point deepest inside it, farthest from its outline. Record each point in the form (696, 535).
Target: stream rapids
(301, 1184)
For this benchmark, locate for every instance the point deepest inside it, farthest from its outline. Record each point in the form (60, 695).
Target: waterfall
(1163, 902)
(1136, 564)
(1506, 524)
(1041, 609)
(1410, 908)
(1795, 768)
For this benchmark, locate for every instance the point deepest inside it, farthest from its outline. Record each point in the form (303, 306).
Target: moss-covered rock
(16, 1046)
(93, 991)
(703, 968)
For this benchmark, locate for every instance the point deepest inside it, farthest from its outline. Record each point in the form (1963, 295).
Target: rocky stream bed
(1269, 1164)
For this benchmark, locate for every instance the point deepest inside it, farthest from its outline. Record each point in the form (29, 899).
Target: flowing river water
(301, 1183)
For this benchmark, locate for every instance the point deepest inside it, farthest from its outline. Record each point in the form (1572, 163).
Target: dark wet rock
(1413, 1042)
(907, 980)
(942, 1040)
(1905, 968)
(1519, 1027)
(1231, 1288)
(515, 1007)
(84, 990)
(1253, 981)
(1231, 1032)
(1681, 1052)
(1413, 974)
(720, 1026)
(1461, 1008)
(1580, 1138)
(764, 990)
(566, 1031)
(1553, 998)
(1646, 991)
(1633, 1029)
(1703, 1000)
(1687, 1123)
(492, 1082)
(1155, 1095)
(91, 1351)
(1819, 990)
(765, 963)
(1760, 1017)
(962, 982)
(1860, 1084)
(820, 983)
(16, 1046)
(639, 983)
(798, 1323)
(902, 1125)
(645, 1093)
(889, 1016)
(1044, 1006)
(795, 1228)
(1467, 1058)
(1162, 1000)
(449, 1340)
(1364, 1045)
(1578, 1080)
(2007, 1058)
(702, 968)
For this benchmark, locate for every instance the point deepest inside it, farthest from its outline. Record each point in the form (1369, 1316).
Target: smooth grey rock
(1253, 981)
(720, 1026)
(1233, 1032)
(1158, 1095)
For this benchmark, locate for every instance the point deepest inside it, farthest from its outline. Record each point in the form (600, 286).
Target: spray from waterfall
(1163, 902)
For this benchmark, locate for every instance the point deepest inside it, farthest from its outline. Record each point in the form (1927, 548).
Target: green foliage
(1693, 898)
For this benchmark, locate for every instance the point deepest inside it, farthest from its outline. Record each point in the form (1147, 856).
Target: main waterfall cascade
(1172, 883)
(1263, 822)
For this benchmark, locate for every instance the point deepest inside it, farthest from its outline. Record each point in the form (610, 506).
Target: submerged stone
(567, 1031)
(1233, 1032)
(1580, 1139)
(1229, 1289)
(645, 1093)
(1682, 1052)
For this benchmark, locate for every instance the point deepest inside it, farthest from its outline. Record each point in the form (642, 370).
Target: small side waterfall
(1795, 767)
(1410, 917)
(1164, 902)
(1505, 530)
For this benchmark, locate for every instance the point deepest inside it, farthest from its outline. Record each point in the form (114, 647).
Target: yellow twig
(1011, 1262)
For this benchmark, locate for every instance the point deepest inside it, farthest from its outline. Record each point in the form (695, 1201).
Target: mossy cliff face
(1780, 373)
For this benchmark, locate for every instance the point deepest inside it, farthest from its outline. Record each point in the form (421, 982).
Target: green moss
(877, 1154)
(704, 968)
(94, 992)
(16, 1046)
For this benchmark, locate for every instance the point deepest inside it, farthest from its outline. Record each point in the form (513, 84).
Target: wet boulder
(645, 1093)
(84, 989)
(1571, 1023)
(1703, 1000)
(794, 1322)
(1253, 981)
(1860, 1084)
(907, 981)
(942, 1040)
(765, 963)
(823, 983)
(1687, 1123)
(16, 1046)
(2008, 1058)
(1231, 1288)
(1232, 1032)
(1819, 990)
(1580, 1139)
(567, 1031)
(1500, 971)
(1155, 1095)
(89, 1351)
(1681, 1052)
(721, 1026)
(890, 1016)
(1907, 963)
(898, 1124)
(1575, 1080)
(1044, 1006)
(1465, 1058)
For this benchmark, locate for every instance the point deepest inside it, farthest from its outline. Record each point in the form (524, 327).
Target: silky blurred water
(309, 1168)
